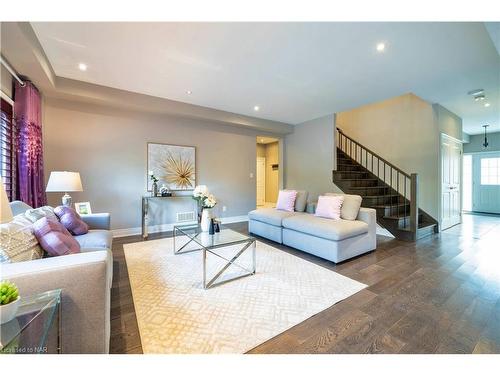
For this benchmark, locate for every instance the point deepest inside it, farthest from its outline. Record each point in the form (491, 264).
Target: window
(490, 171)
(8, 155)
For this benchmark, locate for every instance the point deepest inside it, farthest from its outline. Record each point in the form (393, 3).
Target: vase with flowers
(206, 202)
(154, 186)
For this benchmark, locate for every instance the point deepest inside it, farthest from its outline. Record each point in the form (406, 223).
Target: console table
(145, 209)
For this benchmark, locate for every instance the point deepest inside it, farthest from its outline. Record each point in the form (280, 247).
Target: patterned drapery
(27, 116)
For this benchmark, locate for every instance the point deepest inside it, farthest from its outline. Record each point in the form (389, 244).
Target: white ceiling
(293, 71)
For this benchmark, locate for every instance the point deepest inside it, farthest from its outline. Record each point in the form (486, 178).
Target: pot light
(478, 98)
(486, 104)
(380, 47)
(256, 108)
(189, 92)
(262, 140)
(82, 67)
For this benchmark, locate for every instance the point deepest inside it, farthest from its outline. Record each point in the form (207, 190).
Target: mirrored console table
(145, 209)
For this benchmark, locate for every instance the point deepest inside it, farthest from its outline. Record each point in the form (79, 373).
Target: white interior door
(451, 167)
(486, 182)
(261, 181)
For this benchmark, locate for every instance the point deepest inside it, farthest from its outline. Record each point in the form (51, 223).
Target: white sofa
(85, 280)
(335, 240)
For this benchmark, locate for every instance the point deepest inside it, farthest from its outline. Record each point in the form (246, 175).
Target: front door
(486, 182)
(451, 167)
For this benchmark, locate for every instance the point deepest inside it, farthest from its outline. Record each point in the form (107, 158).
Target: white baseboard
(169, 227)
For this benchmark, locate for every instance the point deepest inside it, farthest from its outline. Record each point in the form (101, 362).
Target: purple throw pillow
(71, 220)
(54, 238)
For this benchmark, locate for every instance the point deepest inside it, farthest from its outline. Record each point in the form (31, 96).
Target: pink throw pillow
(54, 238)
(286, 200)
(329, 207)
(71, 220)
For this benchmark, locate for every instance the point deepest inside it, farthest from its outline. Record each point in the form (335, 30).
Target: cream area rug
(176, 315)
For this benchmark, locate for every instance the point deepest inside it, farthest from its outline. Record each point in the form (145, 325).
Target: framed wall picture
(83, 208)
(174, 166)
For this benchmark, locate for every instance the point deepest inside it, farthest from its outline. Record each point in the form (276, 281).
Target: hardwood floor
(439, 295)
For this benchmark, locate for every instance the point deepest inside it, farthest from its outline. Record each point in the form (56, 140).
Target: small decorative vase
(154, 189)
(206, 217)
(8, 311)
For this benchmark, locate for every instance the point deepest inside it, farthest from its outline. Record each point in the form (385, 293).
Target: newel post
(414, 205)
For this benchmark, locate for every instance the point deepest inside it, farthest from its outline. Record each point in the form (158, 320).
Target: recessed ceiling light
(486, 104)
(189, 92)
(380, 47)
(262, 140)
(478, 98)
(475, 92)
(256, 108)
(82, 67)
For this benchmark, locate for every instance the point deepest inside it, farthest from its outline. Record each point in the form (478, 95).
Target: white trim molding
(169, 227)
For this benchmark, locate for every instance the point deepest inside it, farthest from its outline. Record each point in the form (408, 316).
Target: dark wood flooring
(439, 295)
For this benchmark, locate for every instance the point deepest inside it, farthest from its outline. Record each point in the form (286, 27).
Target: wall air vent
(186, 216)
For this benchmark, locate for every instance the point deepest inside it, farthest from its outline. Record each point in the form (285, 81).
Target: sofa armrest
(97, 221)
(311, 207)
(369, 216)
(85, 316)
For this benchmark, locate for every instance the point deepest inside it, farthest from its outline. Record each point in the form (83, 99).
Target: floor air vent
(186, 216)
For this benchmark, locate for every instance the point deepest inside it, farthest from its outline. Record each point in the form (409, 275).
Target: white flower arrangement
(204, 198)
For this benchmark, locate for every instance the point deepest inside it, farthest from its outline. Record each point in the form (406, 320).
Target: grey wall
(476, 143)
(108, 148)
(448, 122)
(309, 156)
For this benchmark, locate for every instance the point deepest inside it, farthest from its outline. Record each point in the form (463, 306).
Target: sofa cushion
(334, 230)
(54, 238)
(17, 241)
(96, 238)
(269, 215)
(71, 220)
(350, 207)
(300, 200)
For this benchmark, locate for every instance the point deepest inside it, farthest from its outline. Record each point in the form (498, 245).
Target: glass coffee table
(230, 248)
(36, 329)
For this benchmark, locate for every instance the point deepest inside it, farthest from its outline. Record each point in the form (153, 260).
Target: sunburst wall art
(174, 166)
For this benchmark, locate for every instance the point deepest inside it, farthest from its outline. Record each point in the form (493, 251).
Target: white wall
(309, 156)
(108, 148)
(5, 81)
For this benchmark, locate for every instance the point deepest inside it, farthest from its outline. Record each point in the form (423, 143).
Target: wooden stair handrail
(375, 154)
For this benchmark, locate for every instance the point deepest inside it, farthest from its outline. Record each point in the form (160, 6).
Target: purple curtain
(27, 116)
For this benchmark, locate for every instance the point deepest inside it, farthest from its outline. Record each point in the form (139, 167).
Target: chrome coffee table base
(211, 245)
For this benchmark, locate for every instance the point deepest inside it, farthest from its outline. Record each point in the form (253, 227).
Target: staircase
(384, 187)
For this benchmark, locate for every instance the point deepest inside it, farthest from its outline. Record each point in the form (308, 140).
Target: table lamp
(5, 211)
(64, 182)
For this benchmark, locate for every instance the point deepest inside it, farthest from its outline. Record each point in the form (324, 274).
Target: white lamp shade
(64, 182)
(5, 210)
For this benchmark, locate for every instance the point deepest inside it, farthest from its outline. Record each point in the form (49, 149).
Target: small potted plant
(9, 301)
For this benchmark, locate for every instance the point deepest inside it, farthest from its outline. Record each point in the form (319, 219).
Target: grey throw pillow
(300, 200)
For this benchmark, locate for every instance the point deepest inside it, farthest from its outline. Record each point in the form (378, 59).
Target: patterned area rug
(176, 315)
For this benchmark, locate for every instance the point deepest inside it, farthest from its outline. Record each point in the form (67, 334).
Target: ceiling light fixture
(480, 97)
(262, 140)
(475, 92)
(82, 67)
(256, 108)
(189, 92)
(380, 47)
(486, 104)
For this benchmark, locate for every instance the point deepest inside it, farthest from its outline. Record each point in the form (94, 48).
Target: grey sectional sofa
(335, 240)
(85, 280)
